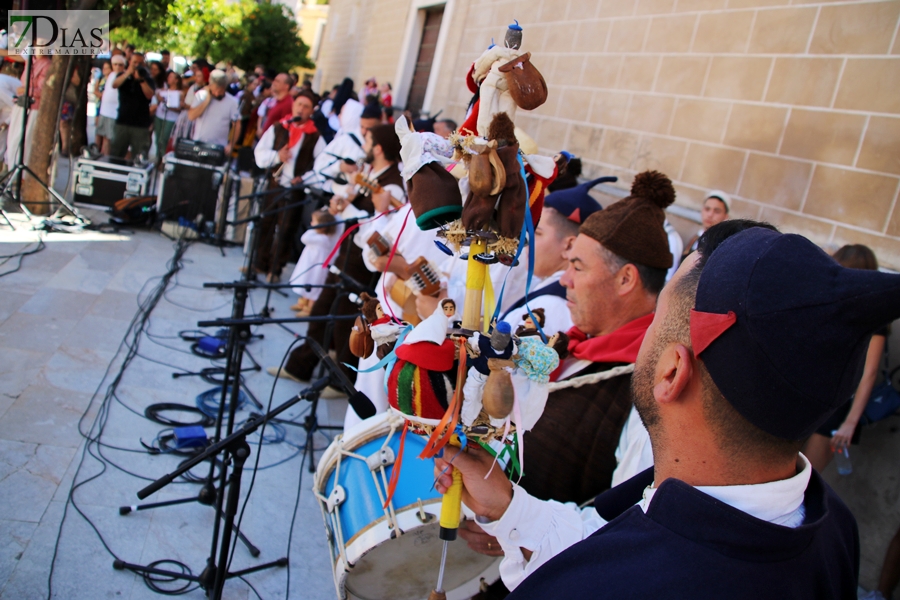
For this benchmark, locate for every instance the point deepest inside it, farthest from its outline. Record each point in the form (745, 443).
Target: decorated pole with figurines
(473, 380)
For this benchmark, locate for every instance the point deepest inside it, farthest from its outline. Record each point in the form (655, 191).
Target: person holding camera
(132, 128)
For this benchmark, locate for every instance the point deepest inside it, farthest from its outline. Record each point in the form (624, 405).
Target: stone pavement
(62, 318)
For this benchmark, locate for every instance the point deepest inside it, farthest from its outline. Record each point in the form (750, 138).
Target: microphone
(348, 279)
(359, 401)
(316, 386)
(347, 161)
(340, 179)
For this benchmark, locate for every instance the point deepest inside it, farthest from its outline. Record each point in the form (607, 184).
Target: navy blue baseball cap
(576, 203)
(783, 329)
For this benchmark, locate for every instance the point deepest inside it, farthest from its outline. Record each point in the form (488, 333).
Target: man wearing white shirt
(382, 152)
(615, 269)
(729, 388)
(215, 112)
(290, 147)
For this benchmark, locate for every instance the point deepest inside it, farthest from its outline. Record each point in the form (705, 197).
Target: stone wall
(791, 106)
(362, 39)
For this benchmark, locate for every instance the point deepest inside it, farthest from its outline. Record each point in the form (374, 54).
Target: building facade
(790, 106)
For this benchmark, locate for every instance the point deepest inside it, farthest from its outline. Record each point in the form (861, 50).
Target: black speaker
(189, 189)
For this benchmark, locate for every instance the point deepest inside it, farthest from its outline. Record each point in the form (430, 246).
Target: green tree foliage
(266, 34)
(244, 33)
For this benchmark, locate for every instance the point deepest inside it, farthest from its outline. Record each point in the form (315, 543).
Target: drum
(394, 552)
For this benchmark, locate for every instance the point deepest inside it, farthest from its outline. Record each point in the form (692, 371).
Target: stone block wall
(791, 106)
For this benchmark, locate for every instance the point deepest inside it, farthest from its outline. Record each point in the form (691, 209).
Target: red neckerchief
(621, 345)
(296, 130)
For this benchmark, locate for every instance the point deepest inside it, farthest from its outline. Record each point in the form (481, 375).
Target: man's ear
(674, 372)
(627, 279)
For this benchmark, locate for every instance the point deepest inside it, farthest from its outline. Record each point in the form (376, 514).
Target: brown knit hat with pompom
(633, 227)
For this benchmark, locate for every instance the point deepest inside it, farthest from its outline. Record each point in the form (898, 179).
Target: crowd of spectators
(143, 107)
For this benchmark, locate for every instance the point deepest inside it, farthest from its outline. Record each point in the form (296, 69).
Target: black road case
(104, 181)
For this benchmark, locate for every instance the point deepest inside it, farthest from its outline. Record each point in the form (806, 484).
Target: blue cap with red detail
(576, 203)
(783, 329)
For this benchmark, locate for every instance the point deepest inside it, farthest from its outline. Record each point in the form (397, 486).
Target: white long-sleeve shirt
(266, 156)
(556, 312)
(548, 527)
(634, 453)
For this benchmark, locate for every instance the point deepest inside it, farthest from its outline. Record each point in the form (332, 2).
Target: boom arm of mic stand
(262, 321)
(248, 428)
(268, 286)
(276, 190)
(348, 222)
(269, 213)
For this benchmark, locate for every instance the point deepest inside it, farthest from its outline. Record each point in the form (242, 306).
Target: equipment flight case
(101, 182)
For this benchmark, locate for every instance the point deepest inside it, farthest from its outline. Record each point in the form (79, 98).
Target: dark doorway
(419, 86)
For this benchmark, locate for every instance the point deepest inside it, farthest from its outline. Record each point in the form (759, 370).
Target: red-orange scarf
(621, 345)
(296, 130)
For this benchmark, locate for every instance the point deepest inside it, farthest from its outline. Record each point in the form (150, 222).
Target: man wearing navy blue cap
(753, 345)
(616, 267)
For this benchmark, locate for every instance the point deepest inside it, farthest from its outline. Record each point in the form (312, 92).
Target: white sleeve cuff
(546, 528)
(524, 523)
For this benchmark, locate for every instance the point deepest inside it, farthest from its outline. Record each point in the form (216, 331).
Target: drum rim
(398, 512)
(379, 426)
(343, 567)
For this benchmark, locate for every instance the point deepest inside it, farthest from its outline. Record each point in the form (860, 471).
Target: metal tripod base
(207, 497)
(16, 174)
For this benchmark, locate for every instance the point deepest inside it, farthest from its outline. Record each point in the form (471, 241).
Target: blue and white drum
(394, 552)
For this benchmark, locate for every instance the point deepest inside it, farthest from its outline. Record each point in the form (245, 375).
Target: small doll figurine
(525, 376)
(497, 345)
(421, 381)
(536, 359)
(527, 327)
(434, 328)
(384, 329)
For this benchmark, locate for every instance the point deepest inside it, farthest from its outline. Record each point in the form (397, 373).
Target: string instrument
(373, 187)
(423, 279)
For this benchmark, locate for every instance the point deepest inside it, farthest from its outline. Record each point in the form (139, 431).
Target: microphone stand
(238, 337)
(254, 220)
(237, 450)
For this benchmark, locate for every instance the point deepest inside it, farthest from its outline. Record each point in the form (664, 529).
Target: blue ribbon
(388, 361)
(527, 234)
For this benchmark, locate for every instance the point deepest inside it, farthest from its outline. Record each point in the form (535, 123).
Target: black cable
(130, 341)
(195, 309)
(251, 586)
(287, 592)
(164, 364)
(259, 446)
(154, 413)
(21, 255)
(152, 579)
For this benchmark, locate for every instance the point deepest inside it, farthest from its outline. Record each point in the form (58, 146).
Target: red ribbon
(395, 472)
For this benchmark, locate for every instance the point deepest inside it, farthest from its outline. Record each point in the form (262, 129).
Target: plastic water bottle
(842, 460)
